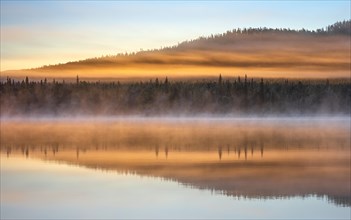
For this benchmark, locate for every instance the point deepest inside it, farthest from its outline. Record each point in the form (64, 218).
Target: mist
(251, 157)
(251, 122)
(240, 97)
(261, 52)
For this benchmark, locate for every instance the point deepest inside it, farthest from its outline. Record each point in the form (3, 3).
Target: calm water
(194, 168)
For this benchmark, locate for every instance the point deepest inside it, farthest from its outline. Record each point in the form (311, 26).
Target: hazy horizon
(74, 31)
(268, 53)
(175, 109)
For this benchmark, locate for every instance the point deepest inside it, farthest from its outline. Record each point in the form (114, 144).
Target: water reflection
(235, 158)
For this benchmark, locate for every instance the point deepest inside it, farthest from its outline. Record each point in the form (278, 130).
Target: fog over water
(251, 123)
(254, 161)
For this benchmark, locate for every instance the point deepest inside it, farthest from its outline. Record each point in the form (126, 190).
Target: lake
(212, 168)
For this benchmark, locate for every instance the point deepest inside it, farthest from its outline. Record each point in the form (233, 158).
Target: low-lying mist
(251, 157)
(261, 52)
(189, 133)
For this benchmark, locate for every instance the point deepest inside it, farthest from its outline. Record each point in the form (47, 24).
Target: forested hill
(261, 52)
(231, 37)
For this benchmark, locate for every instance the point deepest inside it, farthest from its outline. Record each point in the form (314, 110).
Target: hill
(260, 52)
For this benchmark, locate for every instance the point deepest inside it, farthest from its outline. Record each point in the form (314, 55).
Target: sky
(36, 33)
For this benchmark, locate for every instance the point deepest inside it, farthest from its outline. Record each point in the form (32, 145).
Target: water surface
(272, 168)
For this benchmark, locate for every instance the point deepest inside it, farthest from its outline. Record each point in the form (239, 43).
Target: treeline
(338, 28)
(239, 96)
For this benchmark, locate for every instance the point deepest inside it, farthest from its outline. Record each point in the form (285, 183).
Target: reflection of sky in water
(176, 168)
(32, 189)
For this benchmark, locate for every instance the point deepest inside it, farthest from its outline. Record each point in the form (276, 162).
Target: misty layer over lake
(302, 164)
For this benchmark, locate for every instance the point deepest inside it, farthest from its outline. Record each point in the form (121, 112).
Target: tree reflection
(8, 151)
(156, 151)
(166, 151)
(220, 152)
(193, 167)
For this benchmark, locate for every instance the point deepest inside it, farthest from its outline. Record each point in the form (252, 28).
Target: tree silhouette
(179, 97)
